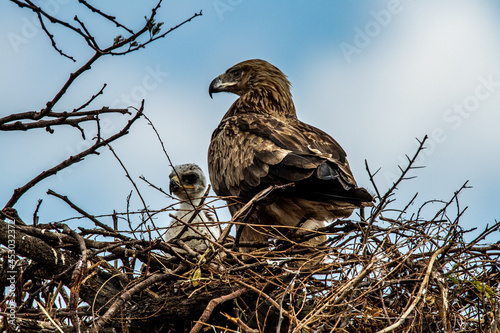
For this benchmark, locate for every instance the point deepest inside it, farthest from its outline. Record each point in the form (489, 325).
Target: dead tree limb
(211, 307)
(71, 160)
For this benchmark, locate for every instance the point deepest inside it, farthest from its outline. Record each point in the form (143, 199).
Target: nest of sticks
(387, 270)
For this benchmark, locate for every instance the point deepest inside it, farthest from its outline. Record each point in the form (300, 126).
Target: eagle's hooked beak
(218, 84)
(214, 86)
(175, 185)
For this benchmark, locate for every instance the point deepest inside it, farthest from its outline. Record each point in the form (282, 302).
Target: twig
(372, 180)
(136, 189)
(106, 16)
(141, 177)
(211, 306)
(49, 317)
(127, 295)
(77, 276)
(20, 126)
(38, 10)
(168, 158)
(455, 195)
(420, 291)
(35, 214)
(267, 297)
(347, 289)
(87, 215)
(33, 115)
(404, 171)
(71, 160)
(237, 321)
(143, 30)
(92, 98)
(51, 37)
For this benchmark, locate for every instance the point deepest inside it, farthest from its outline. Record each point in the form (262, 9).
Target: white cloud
(431, 56)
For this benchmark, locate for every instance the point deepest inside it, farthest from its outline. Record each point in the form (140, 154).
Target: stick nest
(392, 270)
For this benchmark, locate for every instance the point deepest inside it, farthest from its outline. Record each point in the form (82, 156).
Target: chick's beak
(174, 185)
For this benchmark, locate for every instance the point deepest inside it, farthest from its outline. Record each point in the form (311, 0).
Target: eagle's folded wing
(252, 151)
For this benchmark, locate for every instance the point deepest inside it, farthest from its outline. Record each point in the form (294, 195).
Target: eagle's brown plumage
(260, 142)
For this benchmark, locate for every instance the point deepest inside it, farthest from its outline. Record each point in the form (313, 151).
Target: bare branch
(211, 306)
(84, 105)
(106, 16)
(385, 197)
(136, 188)
(132, 38)
(419, 294)
(126, 296)
(71, 160)
(51, 37)
(87, 215)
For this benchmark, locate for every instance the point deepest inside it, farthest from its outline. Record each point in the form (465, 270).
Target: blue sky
(373, 74)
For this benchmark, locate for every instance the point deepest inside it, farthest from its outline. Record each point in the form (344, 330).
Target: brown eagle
(260, 142)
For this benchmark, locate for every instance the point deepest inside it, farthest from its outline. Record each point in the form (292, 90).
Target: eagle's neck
(268, 100)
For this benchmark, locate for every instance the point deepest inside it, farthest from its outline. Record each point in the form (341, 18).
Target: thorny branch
(384, 199)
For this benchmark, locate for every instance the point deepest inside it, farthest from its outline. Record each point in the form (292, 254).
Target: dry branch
(211, 306)
(72, 159)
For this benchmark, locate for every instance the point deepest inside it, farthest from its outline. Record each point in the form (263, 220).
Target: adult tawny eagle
(260, 142)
